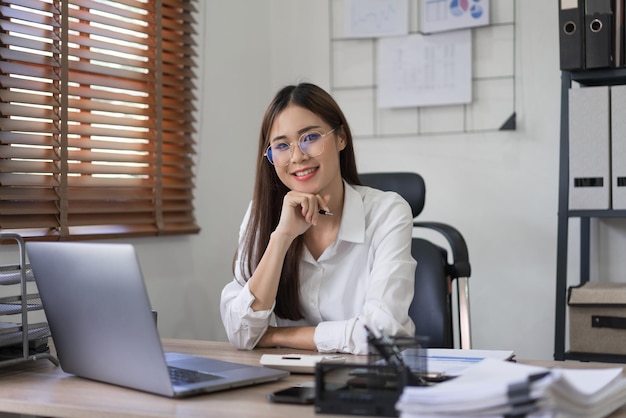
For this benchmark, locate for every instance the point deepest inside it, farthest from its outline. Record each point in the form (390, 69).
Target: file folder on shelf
(572, 34)
(589, 148)
(599, 33)
(618, 146)
(618, 33)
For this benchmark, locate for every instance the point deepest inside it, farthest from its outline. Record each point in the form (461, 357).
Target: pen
(396, 351)
(383, 341)
(324, 212)
(381, 348)
(373, 340)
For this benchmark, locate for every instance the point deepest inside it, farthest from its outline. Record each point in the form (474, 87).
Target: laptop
(103, 328)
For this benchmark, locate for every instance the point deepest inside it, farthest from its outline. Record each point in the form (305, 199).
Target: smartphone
(296, 394)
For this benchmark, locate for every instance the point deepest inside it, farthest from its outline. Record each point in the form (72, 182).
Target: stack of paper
(588, 392)
(496, 388)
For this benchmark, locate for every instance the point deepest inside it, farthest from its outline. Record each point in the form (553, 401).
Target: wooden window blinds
(96, 118)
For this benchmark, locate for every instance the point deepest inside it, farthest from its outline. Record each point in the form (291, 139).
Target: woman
(320, 256)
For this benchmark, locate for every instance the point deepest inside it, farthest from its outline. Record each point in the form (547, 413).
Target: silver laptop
(103, 328)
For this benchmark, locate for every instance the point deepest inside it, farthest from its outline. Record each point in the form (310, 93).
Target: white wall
(499, 189)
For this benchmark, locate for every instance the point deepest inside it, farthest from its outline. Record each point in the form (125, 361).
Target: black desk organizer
(21, 340)
(371, 388)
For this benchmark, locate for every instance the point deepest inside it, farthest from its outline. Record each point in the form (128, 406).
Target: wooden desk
(41, 389)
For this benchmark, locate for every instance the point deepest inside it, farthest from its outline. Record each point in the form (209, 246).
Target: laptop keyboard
(183, 376)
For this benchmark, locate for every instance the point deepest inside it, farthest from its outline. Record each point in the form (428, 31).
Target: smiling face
(316, 175)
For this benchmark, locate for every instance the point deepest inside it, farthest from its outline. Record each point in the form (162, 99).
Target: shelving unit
(21, 339)
(600, 77)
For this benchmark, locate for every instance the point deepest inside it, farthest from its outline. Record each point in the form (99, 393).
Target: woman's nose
(297, 155)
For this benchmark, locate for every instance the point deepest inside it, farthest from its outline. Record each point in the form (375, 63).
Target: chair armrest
(460, 270)
(460, 263)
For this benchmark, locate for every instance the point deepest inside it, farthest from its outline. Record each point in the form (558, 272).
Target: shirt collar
(352, 226)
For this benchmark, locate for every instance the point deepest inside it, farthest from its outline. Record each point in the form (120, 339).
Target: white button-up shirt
(366, 277)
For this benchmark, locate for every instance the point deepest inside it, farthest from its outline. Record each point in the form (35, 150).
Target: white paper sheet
(425, 70)
(493, 387)
(376, 18)
(453, 362)
(484, 386)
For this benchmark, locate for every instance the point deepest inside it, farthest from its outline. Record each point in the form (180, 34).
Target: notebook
(103, 328)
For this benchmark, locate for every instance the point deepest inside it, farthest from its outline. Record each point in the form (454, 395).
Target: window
(96, 118)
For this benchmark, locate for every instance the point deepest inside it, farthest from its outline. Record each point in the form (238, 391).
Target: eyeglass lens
(310, 143)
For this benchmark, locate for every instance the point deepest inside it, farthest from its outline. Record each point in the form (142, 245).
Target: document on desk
(452, 362)
(483, 389)
(495, 387)
(588, 392)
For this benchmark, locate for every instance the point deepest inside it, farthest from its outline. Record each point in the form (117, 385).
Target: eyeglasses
(310, 143)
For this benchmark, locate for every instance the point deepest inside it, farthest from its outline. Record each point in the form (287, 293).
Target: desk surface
(41, 389)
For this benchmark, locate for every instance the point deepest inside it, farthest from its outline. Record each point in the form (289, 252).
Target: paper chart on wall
(443, 15)
(376, 18)
(425, 70)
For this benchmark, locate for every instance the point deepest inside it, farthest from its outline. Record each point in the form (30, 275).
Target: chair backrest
(431, 306)
(410, 186)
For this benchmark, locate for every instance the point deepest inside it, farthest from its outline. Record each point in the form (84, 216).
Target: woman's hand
(299, 212)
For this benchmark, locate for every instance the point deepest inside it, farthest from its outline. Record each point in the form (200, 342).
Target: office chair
(433, 309)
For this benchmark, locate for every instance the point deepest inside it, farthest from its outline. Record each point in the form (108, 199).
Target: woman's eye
(282, 146)
(312, 136)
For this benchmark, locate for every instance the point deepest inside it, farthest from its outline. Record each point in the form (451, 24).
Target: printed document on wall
(443, 15)
(376, 18)
(425, 70)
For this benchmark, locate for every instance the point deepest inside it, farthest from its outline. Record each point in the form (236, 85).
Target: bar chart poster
(444, 15)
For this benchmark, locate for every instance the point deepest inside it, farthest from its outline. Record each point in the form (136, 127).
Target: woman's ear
(342, 142)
